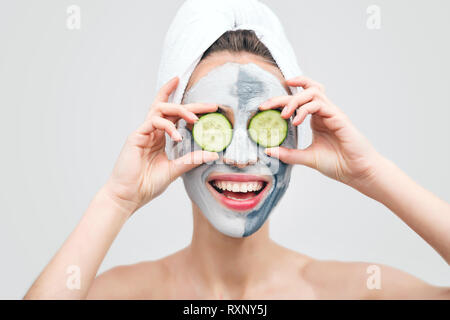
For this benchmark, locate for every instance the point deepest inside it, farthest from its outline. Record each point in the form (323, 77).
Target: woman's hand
(341, 152)
(338, 149)
(143, 170)
(141, 173)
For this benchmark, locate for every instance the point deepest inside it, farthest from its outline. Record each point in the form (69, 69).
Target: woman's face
(237, 192)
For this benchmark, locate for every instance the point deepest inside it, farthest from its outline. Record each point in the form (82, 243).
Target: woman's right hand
(143, 170)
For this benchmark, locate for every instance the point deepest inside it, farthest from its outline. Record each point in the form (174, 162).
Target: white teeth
(236, 186)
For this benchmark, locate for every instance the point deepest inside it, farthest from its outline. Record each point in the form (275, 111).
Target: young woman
(233, 191)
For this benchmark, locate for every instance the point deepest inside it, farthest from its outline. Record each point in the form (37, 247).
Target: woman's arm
(424, 212)
(141, 173)
(81, 254)
(341, 152)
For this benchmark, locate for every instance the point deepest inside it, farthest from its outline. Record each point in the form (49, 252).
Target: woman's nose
(232, 162)
(242, 151)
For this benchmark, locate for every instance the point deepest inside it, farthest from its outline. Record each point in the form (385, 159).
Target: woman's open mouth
(238, 192)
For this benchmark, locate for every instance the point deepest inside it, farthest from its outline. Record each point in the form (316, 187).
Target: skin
(216, 266)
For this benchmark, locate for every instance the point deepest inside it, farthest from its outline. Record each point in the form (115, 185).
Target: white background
(68, 99)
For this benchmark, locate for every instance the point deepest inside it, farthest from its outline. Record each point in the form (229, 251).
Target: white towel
(199, 23)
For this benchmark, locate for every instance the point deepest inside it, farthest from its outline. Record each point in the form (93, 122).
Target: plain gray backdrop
(69, 98)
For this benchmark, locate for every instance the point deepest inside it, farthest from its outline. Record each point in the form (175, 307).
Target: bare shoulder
(143, 280)
(362, 280)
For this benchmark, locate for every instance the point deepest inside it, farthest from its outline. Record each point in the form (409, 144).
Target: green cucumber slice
(212, 132)
(268, 129)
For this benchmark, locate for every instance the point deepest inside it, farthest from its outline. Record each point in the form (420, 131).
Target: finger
(190, 161)
(305, 83)
(309, 108)
(137, 139)
(156, 122)
(292, 156)
(175, 111)
(173, 118)
(315, 107)
(168, 126)
(172, 109)
(275, 102)
(167, 89)
(201, 107)
(297, 101)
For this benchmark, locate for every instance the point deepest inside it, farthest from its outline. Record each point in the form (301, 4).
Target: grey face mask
(241, 89)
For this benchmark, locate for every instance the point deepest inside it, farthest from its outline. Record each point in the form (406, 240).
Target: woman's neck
(227, 266)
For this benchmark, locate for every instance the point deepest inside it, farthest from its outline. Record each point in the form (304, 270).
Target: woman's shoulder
(142, 280)
(296, 275)
(333, 279)
(364, 280)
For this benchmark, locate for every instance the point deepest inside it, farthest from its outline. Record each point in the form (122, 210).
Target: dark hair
(240, 41)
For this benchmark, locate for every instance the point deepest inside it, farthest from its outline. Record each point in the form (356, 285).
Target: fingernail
(284, 112)
(177, 136)
(267, 150)
(195, 118)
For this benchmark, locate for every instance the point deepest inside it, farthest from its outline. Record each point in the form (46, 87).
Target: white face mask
(242, 88)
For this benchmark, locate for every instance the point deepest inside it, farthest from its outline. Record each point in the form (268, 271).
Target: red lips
(235, 200)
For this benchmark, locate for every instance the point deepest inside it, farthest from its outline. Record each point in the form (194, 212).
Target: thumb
(292, 156)
(190, 161)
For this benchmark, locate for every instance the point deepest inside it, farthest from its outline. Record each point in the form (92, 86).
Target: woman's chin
(229, 222)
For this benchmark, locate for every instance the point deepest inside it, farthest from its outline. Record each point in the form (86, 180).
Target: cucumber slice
(212, 132)
(268, 129)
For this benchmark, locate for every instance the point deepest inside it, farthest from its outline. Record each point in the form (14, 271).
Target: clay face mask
(237, 192)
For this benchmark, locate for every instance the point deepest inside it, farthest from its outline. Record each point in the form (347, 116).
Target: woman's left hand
(338, 149)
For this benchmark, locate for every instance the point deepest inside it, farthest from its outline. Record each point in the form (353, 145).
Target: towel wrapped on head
(199, 23)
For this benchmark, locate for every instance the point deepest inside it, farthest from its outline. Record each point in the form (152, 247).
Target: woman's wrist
(121, 206)
(376, 184)
(387, 184)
